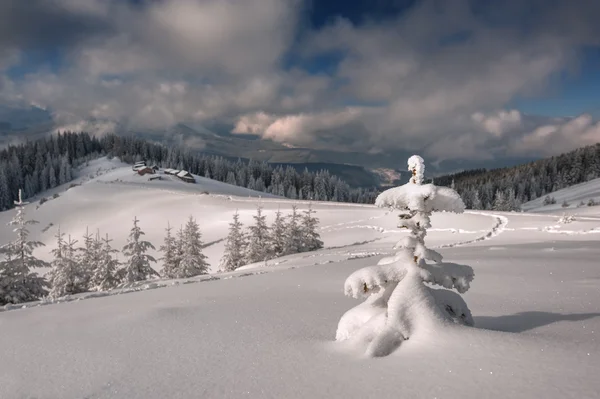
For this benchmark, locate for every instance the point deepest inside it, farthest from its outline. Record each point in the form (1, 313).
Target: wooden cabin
(146, 170)
(186, 176)
(139, 165)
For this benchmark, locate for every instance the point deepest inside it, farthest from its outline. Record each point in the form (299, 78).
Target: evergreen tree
(235, 246)
(87, 259)
(259, 240)
(476, 202)
(293, 233)
(170, 256)
(500, 201)
(65, 274)
(105, 273)
(311, 240)
(193, 261)
(137, 265)
(17, 282)
(278, 235)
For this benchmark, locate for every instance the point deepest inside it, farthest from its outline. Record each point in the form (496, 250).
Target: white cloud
(552, 139)
(498, 123)
(158, 63)
(299, 129)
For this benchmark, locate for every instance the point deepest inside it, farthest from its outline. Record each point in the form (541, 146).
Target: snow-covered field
(268, 331)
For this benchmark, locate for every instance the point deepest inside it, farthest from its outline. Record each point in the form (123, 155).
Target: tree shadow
(525, 321)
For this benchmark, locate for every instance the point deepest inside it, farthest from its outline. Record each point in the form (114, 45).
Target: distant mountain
(360, 169)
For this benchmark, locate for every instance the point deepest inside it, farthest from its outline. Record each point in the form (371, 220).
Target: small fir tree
(311, 240)
(87, 257)
(235, 246)
(137, 265)
(17, 282)
(399, 304)
(258, 240)
(170, 257)
(278, 235)
(193, 261)
(293, 233)
(105, 273)
(65, 274)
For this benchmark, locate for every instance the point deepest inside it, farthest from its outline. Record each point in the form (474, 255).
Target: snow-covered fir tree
(398, 303)
(65, 276)
(258, 239)
(87, 259)
(293, 233)
(311, 239)
(18, 283)
(193, 261)
(234, 255)
(105, 273)
(170, 253)
(278, 235)
(137, 263)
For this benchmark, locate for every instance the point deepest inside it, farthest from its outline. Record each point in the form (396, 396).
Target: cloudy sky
(452, 79)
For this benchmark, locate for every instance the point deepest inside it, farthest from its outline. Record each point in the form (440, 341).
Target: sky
(449, 79)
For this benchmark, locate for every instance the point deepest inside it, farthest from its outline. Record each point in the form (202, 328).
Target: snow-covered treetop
(416, 196)
(416, 165)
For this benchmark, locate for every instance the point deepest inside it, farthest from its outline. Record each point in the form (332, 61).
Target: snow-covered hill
(574, 196)
(267, 331)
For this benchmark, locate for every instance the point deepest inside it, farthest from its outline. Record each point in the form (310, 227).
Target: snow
(574, 195)
(413, 196)
(269, 331)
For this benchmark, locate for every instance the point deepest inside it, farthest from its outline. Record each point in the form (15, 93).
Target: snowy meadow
(268, 329)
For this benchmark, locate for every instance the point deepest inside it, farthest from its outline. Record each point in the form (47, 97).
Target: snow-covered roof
(184, 173)
(421, 197)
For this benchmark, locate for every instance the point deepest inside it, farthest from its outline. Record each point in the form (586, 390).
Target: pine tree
(17, 282)
(235, 246)
(278, 235)
(193, 261)
(293, 233)
(311, 240)
(87, 258)
(170, 256)
(500, 201)
(105, 273)
(64, 276)
(401, 303)
(476, 203)
(137, 266)
(258, 239)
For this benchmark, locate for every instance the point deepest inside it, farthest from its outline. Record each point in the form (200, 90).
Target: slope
(574, 195)
(268, 331)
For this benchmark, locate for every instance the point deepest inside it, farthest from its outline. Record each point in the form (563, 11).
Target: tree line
(36, 166)
(505, 189)
(294, 233)
(94, 266)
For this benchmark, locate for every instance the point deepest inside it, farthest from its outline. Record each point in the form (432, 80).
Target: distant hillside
(506, 189)
(579, 195)
(355, 176)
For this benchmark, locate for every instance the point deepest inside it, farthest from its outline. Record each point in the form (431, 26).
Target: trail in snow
(497, 229)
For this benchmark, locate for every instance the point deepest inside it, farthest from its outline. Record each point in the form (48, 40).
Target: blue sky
(452, 79)
(574, 93)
